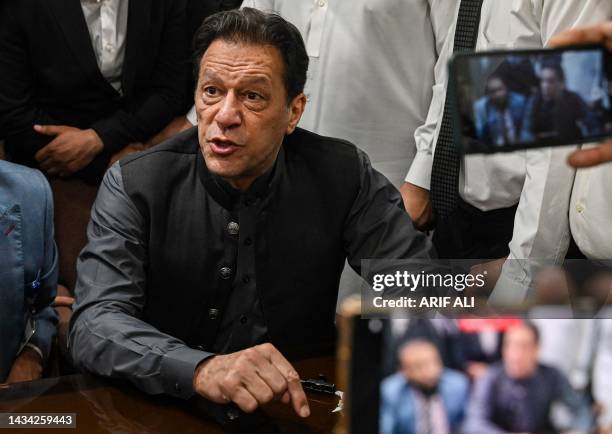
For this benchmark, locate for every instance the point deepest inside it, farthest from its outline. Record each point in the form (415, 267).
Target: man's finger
(258, 388)
(245, 400)
(63, 300)
(597, 34)
(274, 378)
(54, 170)
(47, 151)
(50, 130)
(294, 387)
(592, 156)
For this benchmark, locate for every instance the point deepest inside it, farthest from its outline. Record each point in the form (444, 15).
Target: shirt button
(322, 3)
(248, 241)
(109, 47)
(213, 313)
(233, 228)
(225, 272)
(243, 319)
(177, 387)
(200, 347)
(579, 208)
(246, 279)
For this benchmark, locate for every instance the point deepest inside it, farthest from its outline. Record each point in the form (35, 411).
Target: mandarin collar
(226, 195)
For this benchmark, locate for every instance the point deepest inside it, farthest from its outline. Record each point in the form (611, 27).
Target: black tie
(446, 163)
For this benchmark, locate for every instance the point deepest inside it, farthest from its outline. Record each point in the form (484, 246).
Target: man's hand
(598, 34)
(591, 156)
(605, 430)
(71, 150)
(491, 271)
(27, 367)
(418, 205)
(251, 378)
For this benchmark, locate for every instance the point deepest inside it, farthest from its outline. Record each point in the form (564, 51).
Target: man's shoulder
(394, 384)
(306, 142)
(180, 146)
(454, 381)
(19, 181)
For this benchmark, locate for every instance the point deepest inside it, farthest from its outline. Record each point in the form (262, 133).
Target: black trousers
(470, 233)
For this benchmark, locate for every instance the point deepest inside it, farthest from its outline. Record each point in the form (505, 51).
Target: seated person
(557, 111)
(28, 273)
(499, 114)
(213, 256)
(522, 396)
(422, 397)
(83, 79)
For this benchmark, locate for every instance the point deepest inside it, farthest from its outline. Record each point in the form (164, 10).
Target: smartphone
(503, 101)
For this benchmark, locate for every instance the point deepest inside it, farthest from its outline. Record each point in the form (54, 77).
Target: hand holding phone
(510, 100)
(599, 34)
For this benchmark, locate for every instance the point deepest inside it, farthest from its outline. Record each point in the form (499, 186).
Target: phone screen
(504, 101)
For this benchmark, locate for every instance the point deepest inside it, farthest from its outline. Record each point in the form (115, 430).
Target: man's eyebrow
(260, 80)
(210, 75)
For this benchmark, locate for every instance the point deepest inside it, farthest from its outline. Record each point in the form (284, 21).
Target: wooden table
(104, 406)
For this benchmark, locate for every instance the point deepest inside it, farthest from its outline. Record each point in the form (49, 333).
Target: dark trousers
(469, 233)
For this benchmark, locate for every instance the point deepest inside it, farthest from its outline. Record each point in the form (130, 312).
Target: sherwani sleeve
(108, 336)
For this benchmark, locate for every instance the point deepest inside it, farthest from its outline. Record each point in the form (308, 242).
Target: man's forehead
(257, 61)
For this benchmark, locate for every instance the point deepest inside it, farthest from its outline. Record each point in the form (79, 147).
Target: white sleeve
(541, 233)
(560, 15)
(192, 117)
(443, 16)
(264, 5)
(535, 22)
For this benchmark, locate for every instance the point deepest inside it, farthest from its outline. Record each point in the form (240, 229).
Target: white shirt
(528, 178)
(371, 70)
(590, 211)
(107, 23)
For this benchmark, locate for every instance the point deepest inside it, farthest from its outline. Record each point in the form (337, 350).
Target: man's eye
(253, 96)
(211, 91)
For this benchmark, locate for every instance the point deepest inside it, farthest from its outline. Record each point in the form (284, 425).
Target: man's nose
(229, 114)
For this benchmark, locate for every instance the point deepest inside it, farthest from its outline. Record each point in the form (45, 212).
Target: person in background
(520, 395)
(568, 345)
(519, 75)
(556, 112)
(423, 397)
(492, 206)
(500, 113)
(83, 80)
(28, 273)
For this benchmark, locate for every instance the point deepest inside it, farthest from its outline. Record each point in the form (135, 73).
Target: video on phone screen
(513, 101)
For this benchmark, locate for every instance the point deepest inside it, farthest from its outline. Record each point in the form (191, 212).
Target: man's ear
(296, 108)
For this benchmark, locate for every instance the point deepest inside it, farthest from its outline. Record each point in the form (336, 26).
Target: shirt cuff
(35, 348)
(420, 170)
(192, 117)
(178, 368)
(513, 286)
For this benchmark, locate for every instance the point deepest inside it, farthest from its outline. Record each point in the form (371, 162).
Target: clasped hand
(251, 378)
(71, 150)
